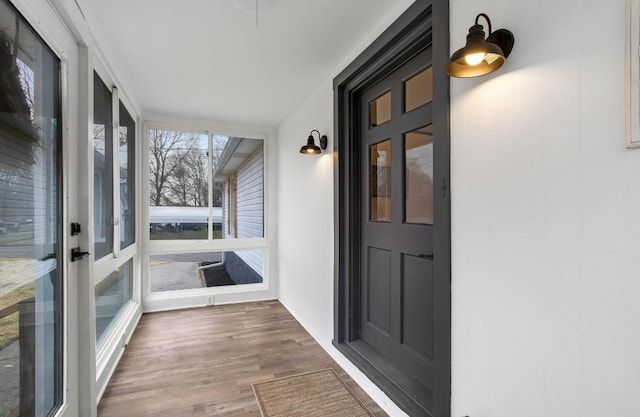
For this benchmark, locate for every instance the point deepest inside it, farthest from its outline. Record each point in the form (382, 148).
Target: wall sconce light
(310, 148)
(481, 56)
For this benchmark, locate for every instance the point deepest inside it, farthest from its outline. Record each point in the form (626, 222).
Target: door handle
(425, 256)
(76, 254)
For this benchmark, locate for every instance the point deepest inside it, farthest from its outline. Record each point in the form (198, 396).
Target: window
(179, 185)
(240, 169)
(208, 189)
(418, 178)
(189, 201)
(127, 155)
(112, 294)
(171, 272)
(114, 205)
(380, 189)
(102, 169)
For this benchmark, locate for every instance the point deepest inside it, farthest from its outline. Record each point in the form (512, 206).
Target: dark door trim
(425, 23)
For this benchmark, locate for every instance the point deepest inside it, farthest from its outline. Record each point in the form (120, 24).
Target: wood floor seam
(203, 362)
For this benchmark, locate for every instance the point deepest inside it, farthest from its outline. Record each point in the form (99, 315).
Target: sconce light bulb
(474, 59)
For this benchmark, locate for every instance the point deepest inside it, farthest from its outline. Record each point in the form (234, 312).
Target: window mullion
(210, 185)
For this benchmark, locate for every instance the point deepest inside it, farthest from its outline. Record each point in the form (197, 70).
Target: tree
(219, 143)
(178, 169)
(164, 158)
(188, 184)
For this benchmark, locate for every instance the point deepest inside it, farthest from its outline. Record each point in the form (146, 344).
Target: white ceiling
(206, 58)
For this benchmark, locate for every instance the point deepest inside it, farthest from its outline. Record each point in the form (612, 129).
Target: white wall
(545, 219)
(305, 216)
(546, 210)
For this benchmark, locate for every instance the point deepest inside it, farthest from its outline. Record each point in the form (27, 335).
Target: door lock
(77, 254)
(75, 229)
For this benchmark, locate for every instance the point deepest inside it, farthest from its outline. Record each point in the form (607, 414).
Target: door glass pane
(127, 177)
(102, 168)
(112, 293)
(418, 147)
(418, 90)
(31, 272)
(380, 184)
(380, 110)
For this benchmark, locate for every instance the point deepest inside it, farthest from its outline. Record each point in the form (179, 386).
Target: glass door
(32, 272)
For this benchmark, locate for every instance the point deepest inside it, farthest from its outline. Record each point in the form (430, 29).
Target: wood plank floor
(202, 362)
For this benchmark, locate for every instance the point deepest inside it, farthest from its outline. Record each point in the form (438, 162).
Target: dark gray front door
(396, 224)
(393, 241)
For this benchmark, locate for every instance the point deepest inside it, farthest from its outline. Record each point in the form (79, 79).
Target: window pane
(112, 293)
(202, 270)
(179, 185)
(179, 204)
(419, 176)
(31, 312)
(380, 110)
(102, 168)
(238, 174)
(127, 178)
(418, 90)
(380, 187)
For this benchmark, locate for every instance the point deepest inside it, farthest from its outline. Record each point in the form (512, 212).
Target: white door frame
(47, 23)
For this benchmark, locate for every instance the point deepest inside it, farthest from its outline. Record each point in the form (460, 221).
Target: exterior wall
(250, 197)
(250, 207)
(228, 223)
(545, 219)
(225, 209)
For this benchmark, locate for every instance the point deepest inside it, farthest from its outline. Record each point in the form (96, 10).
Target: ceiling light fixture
(481, 56)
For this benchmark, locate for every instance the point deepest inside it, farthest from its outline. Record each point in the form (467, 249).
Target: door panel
(378, 289)
(37, 336)
(417, 292)
(396, 226)
(31, 249)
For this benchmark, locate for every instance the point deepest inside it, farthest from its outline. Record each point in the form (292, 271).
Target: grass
(17, 295)
(9, 328)
(9, 325)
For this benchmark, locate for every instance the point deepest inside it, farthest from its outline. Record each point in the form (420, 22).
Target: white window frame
(110, 346)
(167, 300)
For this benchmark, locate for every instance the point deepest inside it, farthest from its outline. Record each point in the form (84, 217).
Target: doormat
(313, 394)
